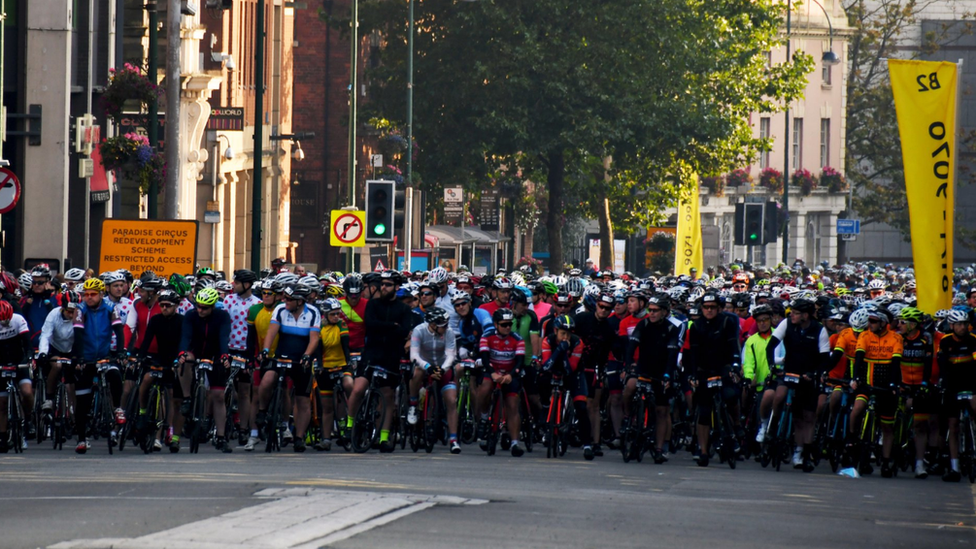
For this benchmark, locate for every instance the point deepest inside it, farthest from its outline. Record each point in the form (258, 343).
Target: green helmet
(207, 297)
(206, 271)
(910, 314)
(550, 288)
(179, 284)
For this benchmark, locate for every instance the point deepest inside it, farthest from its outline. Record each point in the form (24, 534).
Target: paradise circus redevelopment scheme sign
(138, 245)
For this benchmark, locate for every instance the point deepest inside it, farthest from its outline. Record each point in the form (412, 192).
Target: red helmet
(70, 300)
(6, 311)
(8, 282)
(740, 277)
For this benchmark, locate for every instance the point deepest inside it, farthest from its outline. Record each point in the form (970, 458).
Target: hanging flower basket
(714, 184)
(805, 180)
(134, 159)
(772, 179)
(738, 178)
(532, 263)
(833, 179)
(127, 84)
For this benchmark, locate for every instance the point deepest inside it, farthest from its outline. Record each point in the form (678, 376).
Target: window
(797, 143)
(825, 74)
(764, 134)
(769, 59)
(824, 142)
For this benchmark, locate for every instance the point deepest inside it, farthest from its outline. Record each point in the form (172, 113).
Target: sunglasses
(654, 310)
(427, 293)
(390, 284)
(204, 307)
(267, 292)
(292, 299)
(560, 305)
(874, 321)
(166, 305)
(92, 294)
(504, 324)
(707, 307)
(39, 282)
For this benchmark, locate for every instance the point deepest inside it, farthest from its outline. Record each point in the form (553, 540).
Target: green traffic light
(379, 228)
(753, 237)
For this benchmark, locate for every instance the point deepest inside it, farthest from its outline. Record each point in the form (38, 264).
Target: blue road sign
(848, 226)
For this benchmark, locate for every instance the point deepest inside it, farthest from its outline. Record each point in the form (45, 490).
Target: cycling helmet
(352, 285)
(502, 315)
(310, 281)
(460, 296)
(878, 313)
(564, 322)
(741, 301)
(206, 271)
(334, 290)
(574, 287)
(223, 286)
(111, 277)
(6, 311)
(436, 316)
(517, 278)
(95, 284)
(207, 297)
(876, 284)
(762, 310)
(712, 297)
(152, 284)
(910, 314)
(71, 300)
(956, 315)
(244, 276)
(896, 308)
(661, 300)
(392, 276)
(74, 275)
(941, 314)
(574, 272)
(296, 291)
(41, 270)
(550, 287)
(331, 304)
(179, 284)
(437, 275)
(562, 298)
(25, 281)
(502, 283)
(169, 296)
(286, 279)
(803, 306)
(559, 281)
(519, 296)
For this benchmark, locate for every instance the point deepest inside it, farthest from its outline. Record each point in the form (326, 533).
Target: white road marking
(295, 518)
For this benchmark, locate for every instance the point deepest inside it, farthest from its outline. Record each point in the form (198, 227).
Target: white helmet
(74, 275)
(438, 275)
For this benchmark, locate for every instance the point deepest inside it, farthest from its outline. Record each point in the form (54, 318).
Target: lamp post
(353, 69)
(153, 129)
(256, 179)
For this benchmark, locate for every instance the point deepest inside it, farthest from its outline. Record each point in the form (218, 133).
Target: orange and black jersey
(957, 362)
(916, 359)
(878, 358)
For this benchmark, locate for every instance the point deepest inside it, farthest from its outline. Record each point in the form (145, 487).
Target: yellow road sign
(348, 228)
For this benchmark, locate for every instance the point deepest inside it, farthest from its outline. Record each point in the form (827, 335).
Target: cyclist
(599, 336)
(205, 334)
(96, 326)
(117, 288)
(542, 291)
(160, 344)
(298, 327)
(957, 369)
(15, 349)
(432, 352)
(427, 293)
(388, 322)
(712, 350)
(562, 304)
(755, 365)
(57, 339)
(238, 305)
(807, 346)
(472, 323)
(502, 353)
(143, 308)
(334, 338)
(657, 340)
(258, 321)
(74, 277)
(503, 296)
(916, 370)
(526, 325)
(354, 311)
(40, 301)
(877, 364)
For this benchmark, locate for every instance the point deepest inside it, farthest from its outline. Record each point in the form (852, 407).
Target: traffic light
(379, 211)
(771, 223)
(753, 224)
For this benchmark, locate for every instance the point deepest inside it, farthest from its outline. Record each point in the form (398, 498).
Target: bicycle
(779, 446)
(131, 408)
(15, 408)
(339, 402)
(967, 437)
(38, 416)
(369, 419)
(157, 409)
(560, 419)
(195, 422)
(903, 434)
(426, 431)
(638, 427)
(836, 432)
(399, 428)
(60, 409)
(722, 428)
(496, 419)
(528, 427)
(274, 430)
(237, 364)
(102, 420)
(867, 436)
(467, 425)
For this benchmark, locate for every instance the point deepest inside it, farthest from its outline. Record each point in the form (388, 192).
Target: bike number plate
(9, 373)
(204, 365)
(646, 386)
(284, 364)
(377, 372)
(238, 362)
(959, 396)
(156, 373)
(714, 382)
(557, 382)
(792, 379)
(336, 375)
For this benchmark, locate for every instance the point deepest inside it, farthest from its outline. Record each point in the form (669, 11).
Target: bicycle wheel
(566, 425)
(272, 429)
(15, 421)
(108, 417)
(365, 423)
(131, 413)
(527, 428)
(466, 423)
(199, 431)
(230, 404)
(552, 435)
(59, 421)
(968, 448)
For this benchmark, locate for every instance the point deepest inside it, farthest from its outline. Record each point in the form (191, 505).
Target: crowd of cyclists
(793, 365)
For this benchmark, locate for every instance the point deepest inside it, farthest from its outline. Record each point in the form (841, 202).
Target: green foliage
(547, 89)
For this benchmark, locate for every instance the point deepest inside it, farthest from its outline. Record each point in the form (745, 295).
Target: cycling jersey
(755, 364)
(491, 307)
(427, 347)
(846, 343)
(503, 354)
(14, 341)
(206, 337)
(525, 326)
(541, 309)
(879, 353)
(354, 322)
(99, 326)
(916, 360)
(598, 338)
(658, 344)
(259, 318)
(122, 308)
(138, 319)
(562, 357)
(806, 349)
(957, 362)
(185, 306)
(238, 308)
(712, 346)
(35, 309)
(294, 333)
(334, 350)
(472, 328)
(388, 324)
(165, 332)
(57, 334)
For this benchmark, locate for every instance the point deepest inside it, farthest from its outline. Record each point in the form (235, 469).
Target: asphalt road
(49, 497)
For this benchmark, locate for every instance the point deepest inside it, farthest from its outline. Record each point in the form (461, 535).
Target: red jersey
(503, 353)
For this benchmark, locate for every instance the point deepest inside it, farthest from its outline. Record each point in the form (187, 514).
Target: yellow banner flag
(925, 100)
(688, 243)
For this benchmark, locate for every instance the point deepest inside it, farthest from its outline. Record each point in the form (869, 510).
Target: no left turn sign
(348, 228)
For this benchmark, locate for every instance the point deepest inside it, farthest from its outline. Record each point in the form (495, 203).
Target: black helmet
(741, 301)
(436, 316)
(169, 296)
(296, 291)
(518, 296)
(245, 275)
(352, 285)
(803, 306)
(564, 322)
(762, 310)
(661, 300)
(152, 284)
(503, 314)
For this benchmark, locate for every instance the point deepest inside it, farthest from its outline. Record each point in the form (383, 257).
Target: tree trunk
(554, 217)
(606, 225)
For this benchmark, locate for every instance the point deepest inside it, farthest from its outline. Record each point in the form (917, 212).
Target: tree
(549, 88)
(874, 163)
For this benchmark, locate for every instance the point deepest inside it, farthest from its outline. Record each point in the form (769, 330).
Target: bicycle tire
(199, 417)
(466, 424)
(527, 428)
(365, 423)
(108, 416)
(59, 421)
(969, 447)
(552, 444)
(131, 412)
(272, 441)
(230, 400)
(14, 420)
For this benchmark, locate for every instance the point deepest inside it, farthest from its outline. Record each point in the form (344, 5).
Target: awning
(487, 237)
(448, 236)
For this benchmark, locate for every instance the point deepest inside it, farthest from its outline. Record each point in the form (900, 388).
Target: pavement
(336, 499)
